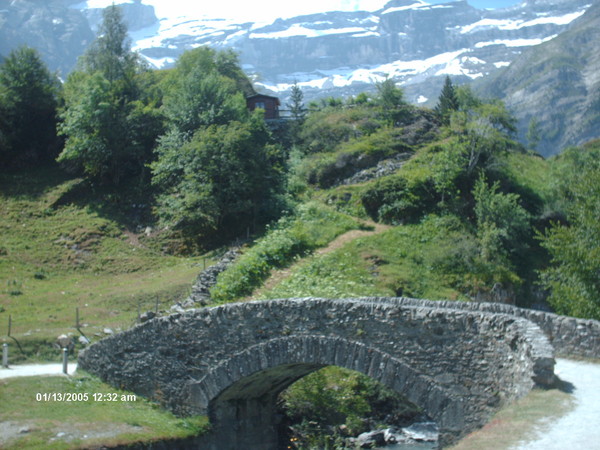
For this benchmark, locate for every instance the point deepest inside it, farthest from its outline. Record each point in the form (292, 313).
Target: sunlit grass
(86, 423)
(57, 255)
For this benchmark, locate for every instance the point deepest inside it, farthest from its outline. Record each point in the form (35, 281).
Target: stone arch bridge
(457, 361)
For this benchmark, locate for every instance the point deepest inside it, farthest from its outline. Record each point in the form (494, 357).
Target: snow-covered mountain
(340, 53)
(330, 53)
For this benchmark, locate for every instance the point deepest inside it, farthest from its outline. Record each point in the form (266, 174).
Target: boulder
(371, 439)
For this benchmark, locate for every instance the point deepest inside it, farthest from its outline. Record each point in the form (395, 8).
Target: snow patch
(422, 99)
(450, 63)
(416, 5)
(300, 30)
(159, 63)
(515, 42)
(367, 34)
(508, 24)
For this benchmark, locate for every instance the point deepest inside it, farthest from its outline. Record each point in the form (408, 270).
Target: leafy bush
(396, 199)
(313, 226)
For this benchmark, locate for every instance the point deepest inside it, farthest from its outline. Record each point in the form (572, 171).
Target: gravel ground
(580, 428)
(30, 370)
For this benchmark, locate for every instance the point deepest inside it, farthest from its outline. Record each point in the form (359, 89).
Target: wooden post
(13, 338)
(65, 361)
(5, 355)
(77, 318)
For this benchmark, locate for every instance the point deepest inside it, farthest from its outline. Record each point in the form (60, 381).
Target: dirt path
(277, 276)
(578, 429)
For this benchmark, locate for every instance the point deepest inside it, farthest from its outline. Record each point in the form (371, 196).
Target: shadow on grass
(30, 184)
(564, 386)
(129, 204)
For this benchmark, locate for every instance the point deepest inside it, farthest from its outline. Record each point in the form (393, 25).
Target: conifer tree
(297, 111)
(28, 102)
(296, 104)
(447, 102)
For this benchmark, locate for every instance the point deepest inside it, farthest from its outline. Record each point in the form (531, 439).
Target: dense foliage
(225, 177)
(28, 102)
(106, 121)
(573, 278)
(217, 168)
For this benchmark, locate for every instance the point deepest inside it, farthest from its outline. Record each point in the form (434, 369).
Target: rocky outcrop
(383, 168)
(61, 34)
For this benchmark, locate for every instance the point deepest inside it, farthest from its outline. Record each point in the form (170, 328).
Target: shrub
(395, 199)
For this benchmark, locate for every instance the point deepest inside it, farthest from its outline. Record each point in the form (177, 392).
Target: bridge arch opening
(241, 394)
(333, 406)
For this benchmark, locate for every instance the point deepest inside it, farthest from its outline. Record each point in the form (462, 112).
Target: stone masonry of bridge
(231, 362)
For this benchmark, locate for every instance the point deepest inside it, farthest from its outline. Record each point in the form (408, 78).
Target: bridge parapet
(568, 335)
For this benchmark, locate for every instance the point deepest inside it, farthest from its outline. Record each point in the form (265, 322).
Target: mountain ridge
(558, 84)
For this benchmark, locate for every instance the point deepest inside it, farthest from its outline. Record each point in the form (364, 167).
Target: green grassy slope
(57, 255)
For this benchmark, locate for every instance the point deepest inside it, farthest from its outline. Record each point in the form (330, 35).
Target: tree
(503, 233)
(109, 130)
(296, 104)
(298, 112)
(198, 94)
(484, 130)
(225, 177)
(391, 100)
(215, 169)
(502, 223)
(447, 102)
(110, 53)
(533, 135)
(28, 102)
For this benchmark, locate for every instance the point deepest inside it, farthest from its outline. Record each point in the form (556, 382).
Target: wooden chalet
(268, 103)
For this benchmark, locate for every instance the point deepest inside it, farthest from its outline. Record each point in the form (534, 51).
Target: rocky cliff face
(557, 84)
(58, 32)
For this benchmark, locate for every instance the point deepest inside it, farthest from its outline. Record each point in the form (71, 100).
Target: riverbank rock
(370, 439)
